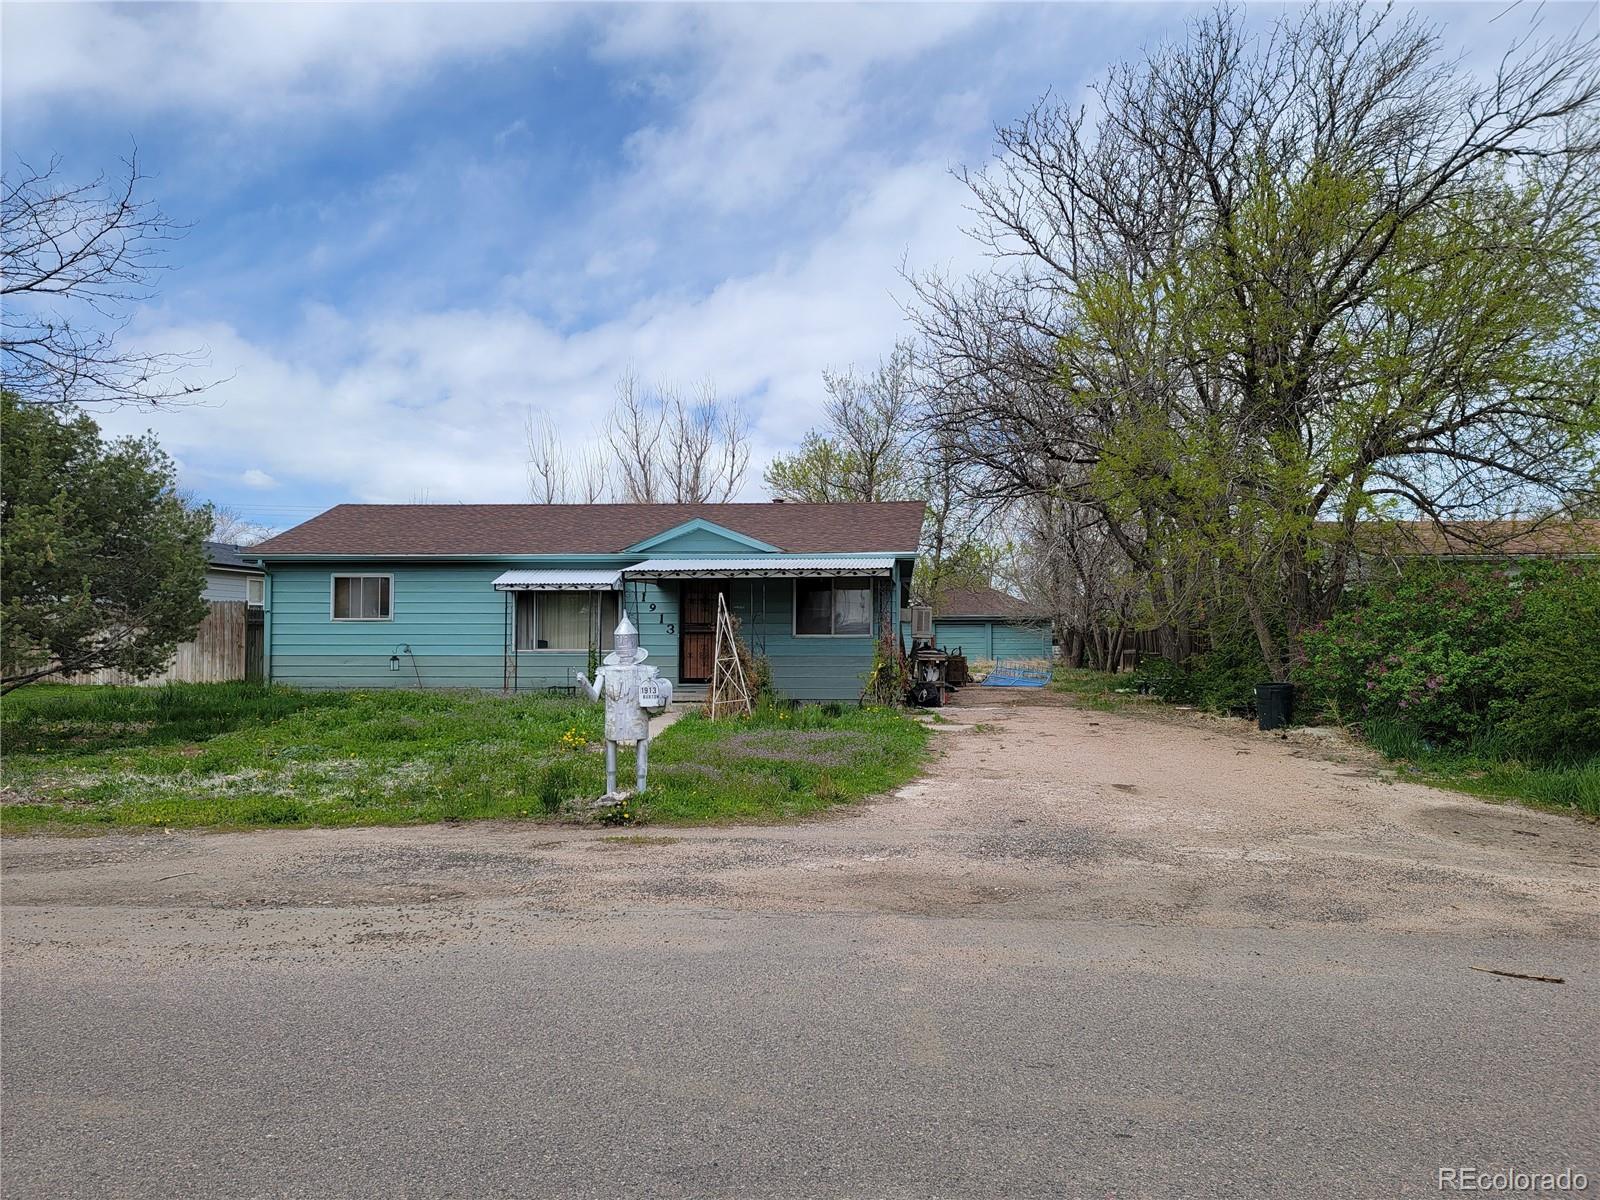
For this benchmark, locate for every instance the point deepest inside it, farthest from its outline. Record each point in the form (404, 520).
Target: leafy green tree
(1279, 290)
(873, 446)
(971, 564)
(102, 564)
(821, 471)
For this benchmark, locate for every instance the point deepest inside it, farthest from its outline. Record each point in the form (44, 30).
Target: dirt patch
(404, 864)
(912, 893)
(680, 887)
(1518, 832)
(70, 853)
(1051, 845)
(623, 840)
(1053, 813)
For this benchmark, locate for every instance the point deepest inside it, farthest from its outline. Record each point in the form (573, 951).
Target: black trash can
(1274, 705)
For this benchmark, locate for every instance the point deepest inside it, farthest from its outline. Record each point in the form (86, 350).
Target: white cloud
(432, 403)
(773, 94)
(254, 60)
(805, 145)
(755, 105)
(516, 131)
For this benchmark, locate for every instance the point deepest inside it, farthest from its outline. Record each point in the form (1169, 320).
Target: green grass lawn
(1573, 787)
(243, 756)
(1490, 771)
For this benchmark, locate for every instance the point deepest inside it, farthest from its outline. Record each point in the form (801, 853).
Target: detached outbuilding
(983, 623)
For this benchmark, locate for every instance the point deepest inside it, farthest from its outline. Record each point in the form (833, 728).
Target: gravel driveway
(1087, 954)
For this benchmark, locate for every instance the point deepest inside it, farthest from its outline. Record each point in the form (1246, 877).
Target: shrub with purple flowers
(1446, 650)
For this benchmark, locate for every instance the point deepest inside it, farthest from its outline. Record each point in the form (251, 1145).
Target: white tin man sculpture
(633, 693)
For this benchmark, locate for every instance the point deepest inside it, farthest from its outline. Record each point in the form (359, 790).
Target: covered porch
(812, 618)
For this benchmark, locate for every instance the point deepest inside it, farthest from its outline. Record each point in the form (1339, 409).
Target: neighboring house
(984, 623)
(1383, 547)
(236, 590)
(1492, 540)
(514, 596)
(229, 576)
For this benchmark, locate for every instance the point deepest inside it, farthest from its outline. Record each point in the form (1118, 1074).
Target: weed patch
(1488, 766)
(245, 756)
(1093, 689)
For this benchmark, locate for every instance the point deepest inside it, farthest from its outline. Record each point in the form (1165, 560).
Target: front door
(697, 631)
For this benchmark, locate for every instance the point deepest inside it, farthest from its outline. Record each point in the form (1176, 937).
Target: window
(832, 607)
(255, 591)
(565, 620)
(361, 597)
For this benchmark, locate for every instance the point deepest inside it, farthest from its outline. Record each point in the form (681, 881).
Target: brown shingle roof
(488, 529)
(1493, 539)
(956, 603)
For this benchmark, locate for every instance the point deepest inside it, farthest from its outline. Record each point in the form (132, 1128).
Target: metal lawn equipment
(930, 666)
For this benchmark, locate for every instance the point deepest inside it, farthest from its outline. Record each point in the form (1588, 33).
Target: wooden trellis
(729, 691)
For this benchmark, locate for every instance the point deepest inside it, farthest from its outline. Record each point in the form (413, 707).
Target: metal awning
(766, 566)
(560, 580)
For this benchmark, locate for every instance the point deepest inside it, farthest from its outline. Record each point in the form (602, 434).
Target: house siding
(1029, 639)
(699, 541)
(224, 585)
(803, 668)
(450, 616)
(971, 638)
(454, 623)
(994, 639)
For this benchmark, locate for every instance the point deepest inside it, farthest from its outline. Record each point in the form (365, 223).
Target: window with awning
(566, 620)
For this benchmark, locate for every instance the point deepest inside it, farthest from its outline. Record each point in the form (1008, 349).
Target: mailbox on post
(633, 693)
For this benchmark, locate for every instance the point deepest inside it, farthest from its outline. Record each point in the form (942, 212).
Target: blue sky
(413, 223)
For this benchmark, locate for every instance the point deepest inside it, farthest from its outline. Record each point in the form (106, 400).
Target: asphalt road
(766, 1056)
(190, 1017)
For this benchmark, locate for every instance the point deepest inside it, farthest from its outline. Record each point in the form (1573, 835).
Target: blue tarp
(1011, 672)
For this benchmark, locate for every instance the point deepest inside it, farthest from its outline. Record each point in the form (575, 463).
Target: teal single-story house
(985, 623)
(513, 597)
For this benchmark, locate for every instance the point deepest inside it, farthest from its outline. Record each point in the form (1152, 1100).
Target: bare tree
(957, 549)
(233, 528)
(871, 419)
(634, 432)
(867, 448)
(705, 444)
(558, 472)
(74, 262)
(1062, 558)
(673, 448)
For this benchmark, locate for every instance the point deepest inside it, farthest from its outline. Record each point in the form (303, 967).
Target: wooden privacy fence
(1121, 648)
(216, 655)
